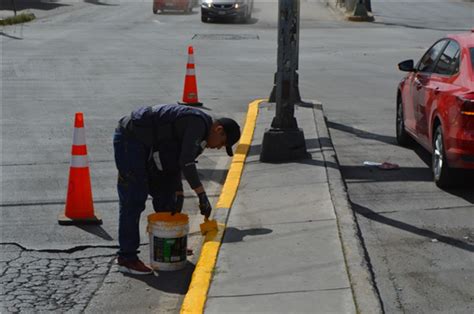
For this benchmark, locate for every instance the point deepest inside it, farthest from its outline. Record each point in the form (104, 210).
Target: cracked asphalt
(35, 281)
(105, 60)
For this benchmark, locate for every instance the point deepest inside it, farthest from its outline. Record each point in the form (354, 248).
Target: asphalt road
(419, 238)
(106, 58)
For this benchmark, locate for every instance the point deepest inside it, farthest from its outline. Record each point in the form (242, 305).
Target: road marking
(195, 299)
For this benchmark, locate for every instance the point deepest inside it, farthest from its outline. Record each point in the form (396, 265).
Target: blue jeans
(137, 178)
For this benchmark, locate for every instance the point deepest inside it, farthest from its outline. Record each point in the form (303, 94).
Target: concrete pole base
(361, 14)
(281, 145)
(368, 18)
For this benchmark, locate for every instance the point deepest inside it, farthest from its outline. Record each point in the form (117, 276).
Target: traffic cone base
(194, 104)
(66, 221)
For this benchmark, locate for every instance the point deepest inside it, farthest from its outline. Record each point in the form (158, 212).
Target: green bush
(20, 18)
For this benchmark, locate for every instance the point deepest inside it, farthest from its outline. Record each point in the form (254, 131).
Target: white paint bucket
(168, 240)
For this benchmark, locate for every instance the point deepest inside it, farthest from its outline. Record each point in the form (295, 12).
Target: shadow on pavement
(213, 175)
(42, 4)
(466, 191)
(311, 143)
(30, 4)
(96, 2)
(362, 134)
(97, 231)
(10, 36)
(318, 163)
(424, 155)
(404, 174)
(366, 174)
(369, 214)
(233, 235)
(363, 174)
(175, 282)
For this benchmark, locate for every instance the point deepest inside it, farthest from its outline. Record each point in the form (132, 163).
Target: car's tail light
(467, 104)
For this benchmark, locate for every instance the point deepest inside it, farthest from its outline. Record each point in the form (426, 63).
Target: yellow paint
(229, 190)
(166, 217)
(195, 299)
(208, 225)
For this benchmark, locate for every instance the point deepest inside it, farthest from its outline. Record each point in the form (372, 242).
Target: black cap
(232, 132)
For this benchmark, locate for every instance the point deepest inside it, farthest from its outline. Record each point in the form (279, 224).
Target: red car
(165, 5)
(435, 105)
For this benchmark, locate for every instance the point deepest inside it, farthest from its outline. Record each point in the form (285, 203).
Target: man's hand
(204, 204)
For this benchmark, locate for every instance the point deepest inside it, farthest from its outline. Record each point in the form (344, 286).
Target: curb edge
(196, 297)
(363, 286)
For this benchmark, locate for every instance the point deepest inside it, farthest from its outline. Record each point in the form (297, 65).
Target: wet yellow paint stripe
(195, 298)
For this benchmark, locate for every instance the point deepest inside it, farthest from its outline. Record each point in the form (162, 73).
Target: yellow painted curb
(195, 299)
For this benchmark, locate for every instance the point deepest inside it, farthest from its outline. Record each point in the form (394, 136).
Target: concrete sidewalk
(281, 250)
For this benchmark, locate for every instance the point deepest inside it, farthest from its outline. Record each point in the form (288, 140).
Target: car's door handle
(436, 90)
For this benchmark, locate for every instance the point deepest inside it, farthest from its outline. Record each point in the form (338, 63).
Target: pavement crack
(68, 251)
(276, 293)
(449, 208)
(365, 253)
(101, 283)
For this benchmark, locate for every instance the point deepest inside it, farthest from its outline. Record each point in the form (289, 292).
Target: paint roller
(208, 225)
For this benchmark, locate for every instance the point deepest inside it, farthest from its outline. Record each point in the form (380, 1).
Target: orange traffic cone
(79, 207)
(190, 93)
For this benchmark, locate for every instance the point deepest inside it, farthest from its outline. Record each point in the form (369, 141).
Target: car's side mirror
(406, 66)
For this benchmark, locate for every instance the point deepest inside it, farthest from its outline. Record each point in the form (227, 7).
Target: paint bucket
(168, 240)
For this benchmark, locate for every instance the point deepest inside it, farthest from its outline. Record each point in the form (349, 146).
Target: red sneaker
(135, 267)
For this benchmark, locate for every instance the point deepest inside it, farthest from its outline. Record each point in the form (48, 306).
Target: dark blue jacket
(153, 125)
(177, 132)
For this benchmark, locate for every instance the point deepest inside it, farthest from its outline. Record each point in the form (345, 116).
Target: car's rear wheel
(442, 174)
(403, 138)
(155, 11)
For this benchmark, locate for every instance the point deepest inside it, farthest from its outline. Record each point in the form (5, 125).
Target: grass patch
(20, 18)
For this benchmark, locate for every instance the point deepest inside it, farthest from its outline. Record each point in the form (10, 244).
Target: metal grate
(226, 37)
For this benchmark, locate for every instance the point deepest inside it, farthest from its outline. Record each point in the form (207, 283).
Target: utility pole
(14, 7)
(284, 141)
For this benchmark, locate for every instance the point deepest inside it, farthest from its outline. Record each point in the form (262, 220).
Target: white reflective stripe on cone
(190, 72)
(79, 161)
(191, 59)
(79, 137)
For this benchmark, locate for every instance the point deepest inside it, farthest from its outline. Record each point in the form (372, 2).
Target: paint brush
(208, 225)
